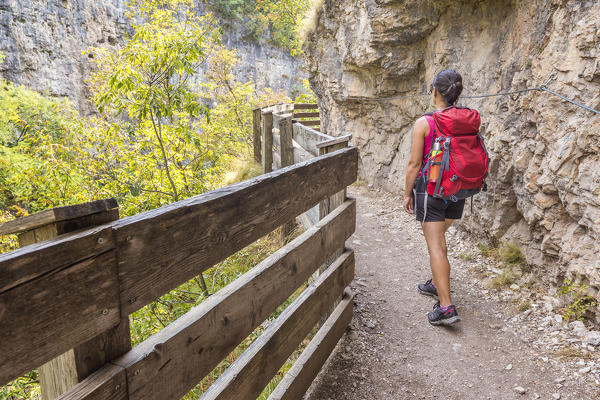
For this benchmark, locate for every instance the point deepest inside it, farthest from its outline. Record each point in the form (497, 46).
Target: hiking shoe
(443, 317)
(428, 289)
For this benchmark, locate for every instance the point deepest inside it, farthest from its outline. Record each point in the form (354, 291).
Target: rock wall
(43, 44)
(545, 176)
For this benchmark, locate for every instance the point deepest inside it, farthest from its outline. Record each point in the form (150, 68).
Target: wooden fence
(290, 137)
(70, 296)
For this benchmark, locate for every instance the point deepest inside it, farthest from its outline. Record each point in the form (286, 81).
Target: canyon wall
(43, 44)
(544, 183)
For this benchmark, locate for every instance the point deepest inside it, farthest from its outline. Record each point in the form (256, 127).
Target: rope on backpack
(542, 88)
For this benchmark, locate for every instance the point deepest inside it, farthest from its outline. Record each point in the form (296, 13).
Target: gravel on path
(390, 351)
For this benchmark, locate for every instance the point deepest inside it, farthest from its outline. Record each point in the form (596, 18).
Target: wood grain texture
(256, 138)
(23, 265)
(308, 106)
(55, 215)
(26, 238)
(87, 221)
(315, 122)
(246, 378)
(301, 155)
(171, 362)
(298, 379)
(308, 138)
(276, 160)
(163, 248)
(44, 318)
(286, 159)
(57, 376)
(267, 142)
(94, 353)
(108, 383)
(286, 142)
(335, 141)
(306, 114)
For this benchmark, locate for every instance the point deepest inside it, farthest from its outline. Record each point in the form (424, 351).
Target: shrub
(510, 253)
(506, 278)
(578, 301)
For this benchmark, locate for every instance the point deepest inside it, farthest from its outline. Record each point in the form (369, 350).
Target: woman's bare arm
(420, 131)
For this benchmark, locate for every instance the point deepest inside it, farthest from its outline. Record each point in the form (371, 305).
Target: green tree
(285, 17)
(152, 137)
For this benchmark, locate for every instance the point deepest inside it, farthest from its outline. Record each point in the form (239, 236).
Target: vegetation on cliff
(159, 136)
(277, 21)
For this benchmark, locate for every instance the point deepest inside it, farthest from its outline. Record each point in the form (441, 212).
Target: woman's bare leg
(438, 258)
(448, 224)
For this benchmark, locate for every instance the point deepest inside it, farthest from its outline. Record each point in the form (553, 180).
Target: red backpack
(458, 161)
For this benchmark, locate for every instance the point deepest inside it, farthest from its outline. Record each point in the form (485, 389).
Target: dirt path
(391, 351)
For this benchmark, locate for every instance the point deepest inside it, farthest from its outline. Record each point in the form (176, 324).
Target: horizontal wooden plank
(254, 369)
(44, 318)
(308, 138)
(309, 106)
(278, 107)
(307, 115)
(301, 155)
(332, 142)
(108, 383)
(30, 262)
(55, 215)
(309, 123)
(298, 379)
(163, 248)
(171, 362)
(278, 117)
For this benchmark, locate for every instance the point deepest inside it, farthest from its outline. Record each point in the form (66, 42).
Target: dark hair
(449, 84)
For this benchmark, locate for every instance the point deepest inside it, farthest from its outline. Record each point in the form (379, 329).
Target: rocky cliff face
(43, 44)
(545, 175)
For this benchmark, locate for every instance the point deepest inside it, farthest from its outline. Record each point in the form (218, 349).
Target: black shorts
(437, 209)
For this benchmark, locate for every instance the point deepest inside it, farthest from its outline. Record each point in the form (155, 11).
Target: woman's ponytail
(449, 84)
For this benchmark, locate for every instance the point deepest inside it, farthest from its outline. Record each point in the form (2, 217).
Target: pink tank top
(427, 144)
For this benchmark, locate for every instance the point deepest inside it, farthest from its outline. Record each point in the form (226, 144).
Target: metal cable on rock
(570, 100)
(543, 88)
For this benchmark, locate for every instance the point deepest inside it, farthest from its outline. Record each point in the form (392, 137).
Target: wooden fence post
(329, 204)
(267, 141)
(256, 134)
(65, 371)
(287, 146)
(287, 158)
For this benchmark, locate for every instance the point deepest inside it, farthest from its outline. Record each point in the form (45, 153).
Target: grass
(242, 169)
(506, 278)
(510, 253)
(468, 257)
(360, 182)
(483, 249)
(524, 306)
(570, 352)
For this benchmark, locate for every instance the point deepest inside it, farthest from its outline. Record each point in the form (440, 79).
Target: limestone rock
(593, 338)
(43, 43)
(544, 180)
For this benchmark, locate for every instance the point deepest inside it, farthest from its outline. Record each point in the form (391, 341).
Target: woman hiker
(438, 212)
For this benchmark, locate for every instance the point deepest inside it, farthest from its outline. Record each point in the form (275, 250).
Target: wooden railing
(70, 296)
(288, 138)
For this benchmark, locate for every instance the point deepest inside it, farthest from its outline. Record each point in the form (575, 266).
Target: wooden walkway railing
(288, 139)
(73, 293)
